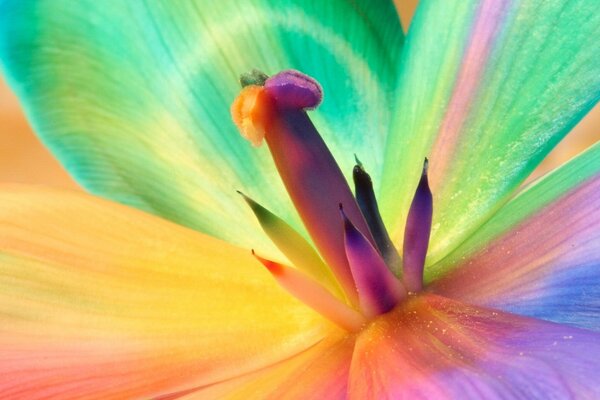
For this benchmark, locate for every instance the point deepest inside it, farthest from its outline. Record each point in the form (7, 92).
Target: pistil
(307, 168)
(359, 274)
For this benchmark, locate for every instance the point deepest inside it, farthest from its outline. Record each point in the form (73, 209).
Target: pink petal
(540, 254)
(436, 348)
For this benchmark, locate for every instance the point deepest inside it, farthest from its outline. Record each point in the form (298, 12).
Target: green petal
(133, 97)
(487, 88)
(529, 202)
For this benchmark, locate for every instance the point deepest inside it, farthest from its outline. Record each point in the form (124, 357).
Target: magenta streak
(485, 29)
(316, 186)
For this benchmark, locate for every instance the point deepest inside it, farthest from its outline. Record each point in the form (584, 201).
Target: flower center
(357, 273)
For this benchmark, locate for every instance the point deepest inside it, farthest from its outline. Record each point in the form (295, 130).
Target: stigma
(355, 273)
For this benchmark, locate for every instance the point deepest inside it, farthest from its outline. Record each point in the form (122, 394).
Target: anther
(292, 89)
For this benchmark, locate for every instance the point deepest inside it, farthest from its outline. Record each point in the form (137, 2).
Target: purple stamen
(378, 289)
(309, 172)
(365, 197)
(416, 234)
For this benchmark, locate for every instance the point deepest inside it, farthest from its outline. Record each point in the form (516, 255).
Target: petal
(487, 89)
(320, 372)
(540, 254)
(135, 99)
(101, 301)
(436, 348)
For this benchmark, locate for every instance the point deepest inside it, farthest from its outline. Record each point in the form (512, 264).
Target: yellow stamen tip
(249, 112)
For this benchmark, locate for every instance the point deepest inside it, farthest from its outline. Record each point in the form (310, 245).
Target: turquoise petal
(133, 97)
(487, 89)
(539, 255)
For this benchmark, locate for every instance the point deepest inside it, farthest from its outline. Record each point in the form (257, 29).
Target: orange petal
(320, 372)
(101, 301)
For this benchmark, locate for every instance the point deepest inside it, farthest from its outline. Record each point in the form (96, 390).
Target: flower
(101, 300)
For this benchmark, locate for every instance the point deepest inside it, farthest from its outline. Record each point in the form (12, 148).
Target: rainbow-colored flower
(446, 282)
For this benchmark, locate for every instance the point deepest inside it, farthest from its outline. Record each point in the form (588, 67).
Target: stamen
(416, 234)
(378, 289)
(300, 253)
(309, 172)
(315, 296)
(365, 197)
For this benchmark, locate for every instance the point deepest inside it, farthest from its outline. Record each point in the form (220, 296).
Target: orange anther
(250, 112)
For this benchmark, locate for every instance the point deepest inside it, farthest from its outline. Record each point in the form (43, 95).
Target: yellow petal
(99, 300)
(320, 372)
